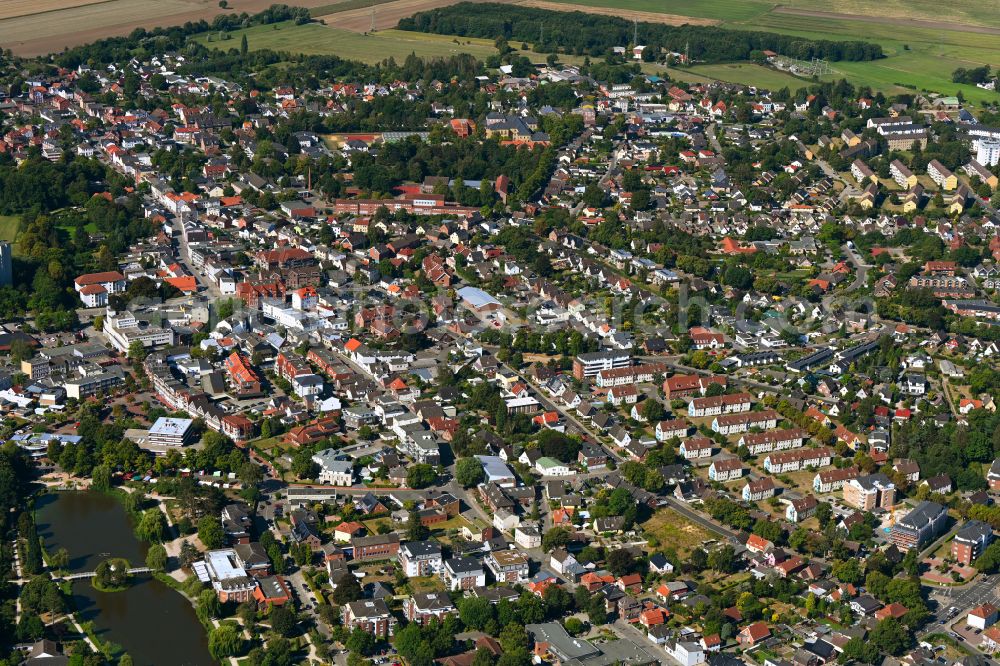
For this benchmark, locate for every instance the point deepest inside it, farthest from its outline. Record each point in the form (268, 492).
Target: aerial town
(523, 362)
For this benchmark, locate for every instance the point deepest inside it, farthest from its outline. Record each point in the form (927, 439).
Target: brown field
(14, 8)
(889, 20)
(387, 14)
(630, 15)
(49, 29)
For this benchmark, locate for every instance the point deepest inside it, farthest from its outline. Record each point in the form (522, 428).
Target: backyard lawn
(670, 528)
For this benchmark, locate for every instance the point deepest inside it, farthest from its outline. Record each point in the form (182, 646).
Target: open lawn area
(456, 523)
(670, 528)
(8, 227)
(745, 73)
(426, 584)
(317, 39)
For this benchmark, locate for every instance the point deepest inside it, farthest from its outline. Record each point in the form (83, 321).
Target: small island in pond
(111, 575)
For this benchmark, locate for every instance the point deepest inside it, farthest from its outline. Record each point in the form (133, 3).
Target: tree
(890, 637)
(769, 530)
(209, 605)
(420, 476)
(721, 559)
(469, 472)
(282, 621)
(621, 562)
(59, 559)
(210, 532)
(156, 557)
(652, 410)
(360, 642)
(247, 613)
(596, 610)
(303, 466)
(475, 612)
(136, 351)
(301, 553)
(101, 477)
(557, 601)
(415, 530)
(556, 537)
(848, 571)
(858, 650)
(823, 513)
(244, 46)
(189, 553)
(574, 626)
(224, 642)
(640, 199)
(348, 589)
(153, 526)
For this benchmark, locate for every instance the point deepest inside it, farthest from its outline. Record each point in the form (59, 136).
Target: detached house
(753, 634)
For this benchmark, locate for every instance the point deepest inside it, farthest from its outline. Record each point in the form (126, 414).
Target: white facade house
(551, 467)
(333, 471)
(420, 558)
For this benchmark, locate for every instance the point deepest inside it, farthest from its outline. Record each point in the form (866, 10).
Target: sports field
(316, 39)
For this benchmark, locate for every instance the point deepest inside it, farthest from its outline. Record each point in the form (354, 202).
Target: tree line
(590, 34)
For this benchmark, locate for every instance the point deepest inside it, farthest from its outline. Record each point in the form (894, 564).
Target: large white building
(122, 328)
(170, 432)
(988, 152)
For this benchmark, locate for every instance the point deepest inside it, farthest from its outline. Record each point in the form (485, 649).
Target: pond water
(152, 622)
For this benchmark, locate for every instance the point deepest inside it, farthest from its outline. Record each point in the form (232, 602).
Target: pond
(152, 622)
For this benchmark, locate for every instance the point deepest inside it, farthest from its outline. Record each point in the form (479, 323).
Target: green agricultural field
(921, 55)
(965, 12)
(317, 39)
(917, 57)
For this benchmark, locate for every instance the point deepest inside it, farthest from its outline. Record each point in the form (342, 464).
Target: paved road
(964, 598)
(861, 277)
(567, 414)
(626, 630)
(184, 259)
(713, 139)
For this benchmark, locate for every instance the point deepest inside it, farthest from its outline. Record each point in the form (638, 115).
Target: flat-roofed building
(168, 431)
